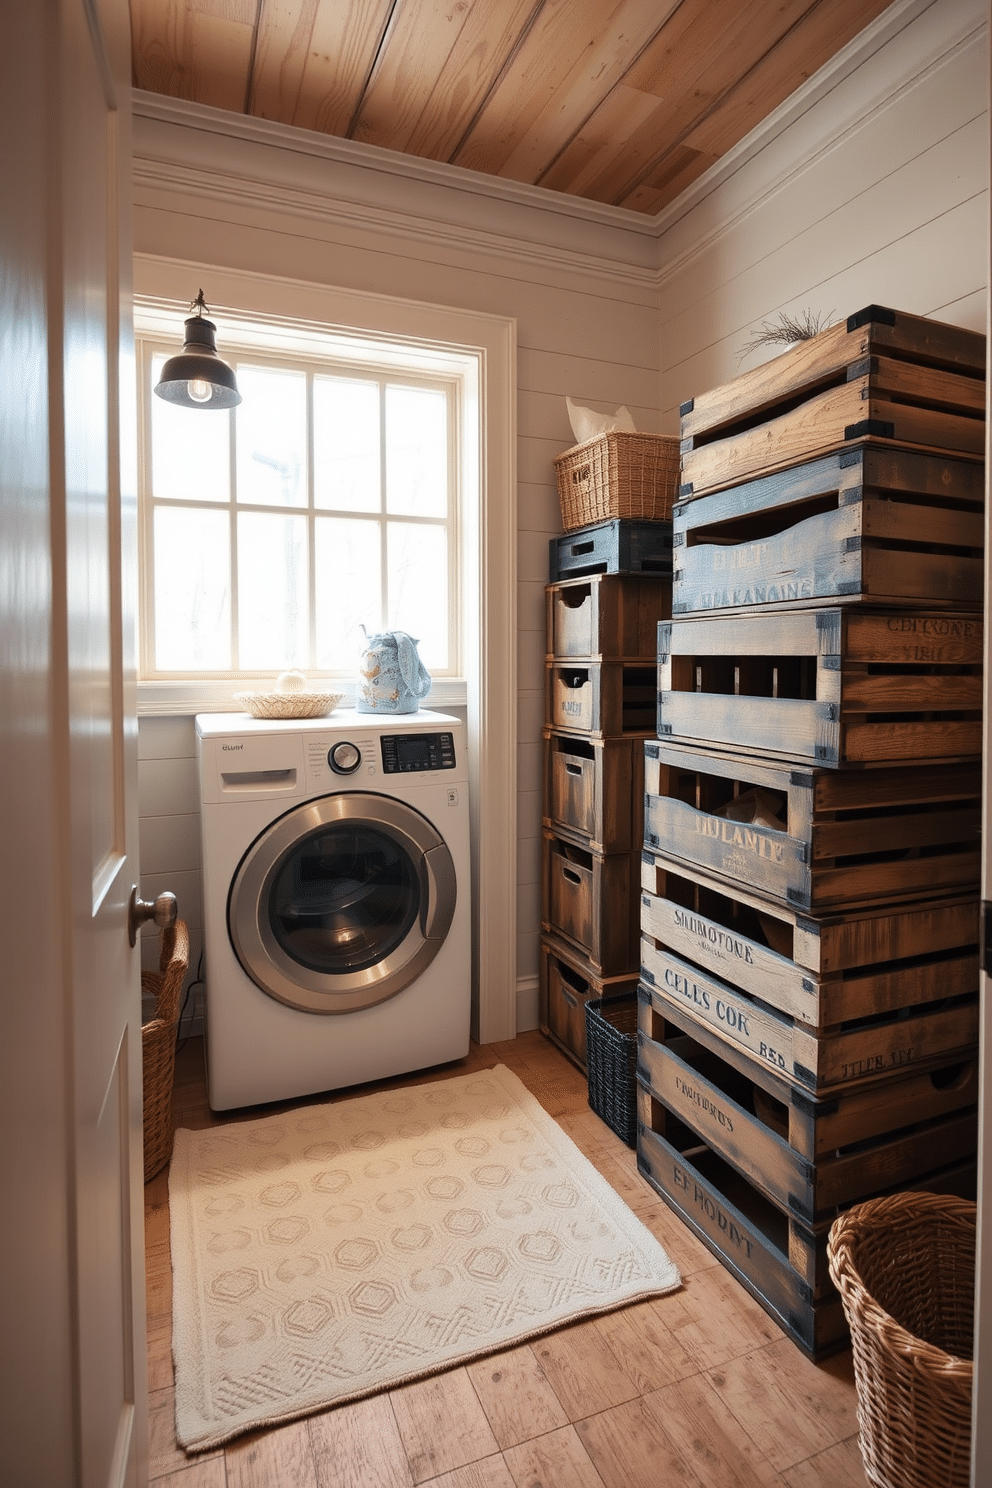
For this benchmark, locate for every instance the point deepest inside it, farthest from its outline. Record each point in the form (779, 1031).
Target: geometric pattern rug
(328, 1252)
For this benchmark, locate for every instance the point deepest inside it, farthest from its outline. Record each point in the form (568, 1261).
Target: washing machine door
(342, 902)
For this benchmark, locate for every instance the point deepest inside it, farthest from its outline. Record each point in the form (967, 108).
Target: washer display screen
(343, 898)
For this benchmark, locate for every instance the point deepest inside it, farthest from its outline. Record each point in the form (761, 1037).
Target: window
(328, 500)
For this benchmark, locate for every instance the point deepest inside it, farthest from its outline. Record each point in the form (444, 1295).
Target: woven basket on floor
(634, 476)
(158, 1044)
(905, 1269)
(611, 1062)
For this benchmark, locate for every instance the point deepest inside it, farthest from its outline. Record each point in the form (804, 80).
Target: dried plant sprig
(787, 330)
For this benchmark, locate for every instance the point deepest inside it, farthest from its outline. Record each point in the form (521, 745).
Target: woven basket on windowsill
(158, 1044)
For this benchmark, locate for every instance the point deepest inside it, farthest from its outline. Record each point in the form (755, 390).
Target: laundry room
(319, 256)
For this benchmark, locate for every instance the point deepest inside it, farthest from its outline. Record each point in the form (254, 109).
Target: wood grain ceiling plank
(427, 70)
(596, 144)
(822, 33)
(285, 28)
(344, 43)
(826, 29)
(487, 44)
(194, 49)
(622, 39)
(563, 32)
(709, 45)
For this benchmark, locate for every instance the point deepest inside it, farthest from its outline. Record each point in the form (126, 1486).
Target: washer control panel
(411, 752)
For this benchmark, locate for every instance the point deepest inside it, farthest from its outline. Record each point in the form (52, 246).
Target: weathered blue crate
(615, 547)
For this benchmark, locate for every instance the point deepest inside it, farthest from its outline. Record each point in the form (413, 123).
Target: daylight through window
(271, 533)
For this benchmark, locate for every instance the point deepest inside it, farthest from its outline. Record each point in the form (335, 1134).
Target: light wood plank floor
(698, 1389)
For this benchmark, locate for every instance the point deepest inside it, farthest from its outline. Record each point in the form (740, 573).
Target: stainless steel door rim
(430, 873)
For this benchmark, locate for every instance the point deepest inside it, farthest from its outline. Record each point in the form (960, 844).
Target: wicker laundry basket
(158, 1044)
(905, 1269)
(618, 475)
(611, 1062)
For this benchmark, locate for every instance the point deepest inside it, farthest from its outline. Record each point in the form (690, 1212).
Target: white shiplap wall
(875, 194)
(871, 188)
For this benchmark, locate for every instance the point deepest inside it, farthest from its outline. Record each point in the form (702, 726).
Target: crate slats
(822, 1061)
(883, 374)
(594, 788)
(606, 617)
(818, 839)
(871, 525)
(796, 1159)
(591, 901)
(620, 546)
(822, 972)
(778, 1259)
(832, 686)
(600, 697)
(567, 983)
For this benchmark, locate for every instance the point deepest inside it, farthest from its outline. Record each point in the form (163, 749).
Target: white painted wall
(870, 187)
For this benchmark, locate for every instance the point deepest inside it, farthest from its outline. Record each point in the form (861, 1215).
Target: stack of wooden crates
(610, 585)
(808, 1015)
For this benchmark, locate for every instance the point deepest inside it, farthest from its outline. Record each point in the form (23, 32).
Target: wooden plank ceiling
(618, 101)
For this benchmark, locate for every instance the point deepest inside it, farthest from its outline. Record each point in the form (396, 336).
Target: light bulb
(199, 390)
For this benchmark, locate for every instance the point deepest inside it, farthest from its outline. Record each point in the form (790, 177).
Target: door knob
(163, 910)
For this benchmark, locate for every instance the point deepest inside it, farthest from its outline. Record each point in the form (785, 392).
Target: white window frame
(489, 539)
(329, 350)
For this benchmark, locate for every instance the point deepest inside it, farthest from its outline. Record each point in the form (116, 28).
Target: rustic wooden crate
(842, 839)
(620, 546)
(824, 971)
(873, 525)
(606, 617)
(881, 374)
(591, 900)
(600, 697)
(837, 686)
(780, 1260)
(821, 1062)
(567, 982)
(594, 788)
(808, 1156)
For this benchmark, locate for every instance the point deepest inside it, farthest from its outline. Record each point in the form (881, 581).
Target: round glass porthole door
(342, 902)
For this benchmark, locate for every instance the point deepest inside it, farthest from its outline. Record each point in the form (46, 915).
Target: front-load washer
(337, 920)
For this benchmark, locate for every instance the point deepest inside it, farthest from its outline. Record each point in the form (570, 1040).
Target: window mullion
(311, 526)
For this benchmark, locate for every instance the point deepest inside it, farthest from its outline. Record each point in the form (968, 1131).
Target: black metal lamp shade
(198, 377)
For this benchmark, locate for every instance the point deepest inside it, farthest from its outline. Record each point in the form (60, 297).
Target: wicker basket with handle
(158, 1044)
(632, 476)
(905, 1269)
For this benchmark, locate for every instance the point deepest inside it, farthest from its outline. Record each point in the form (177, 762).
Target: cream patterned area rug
(327, 1252)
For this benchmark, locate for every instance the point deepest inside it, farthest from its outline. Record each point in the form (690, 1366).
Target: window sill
(186, 697)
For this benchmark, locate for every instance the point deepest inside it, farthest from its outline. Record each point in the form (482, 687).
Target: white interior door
(75, 1390)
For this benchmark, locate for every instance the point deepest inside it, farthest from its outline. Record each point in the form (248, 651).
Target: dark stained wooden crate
(839, 839)
(807, 1156)
(823, 971)
(823, 1061)
(881, 374)
(591, 901)
(594, 788)
(606, 617)
(872, 525)
(619, 546)
(567, 983)
(600, 697)
(778, 1258)
(836, 686)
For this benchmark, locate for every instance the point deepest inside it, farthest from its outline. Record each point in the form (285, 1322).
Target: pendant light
(197, 377)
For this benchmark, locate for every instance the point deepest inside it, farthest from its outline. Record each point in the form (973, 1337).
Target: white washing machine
(337, 926)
